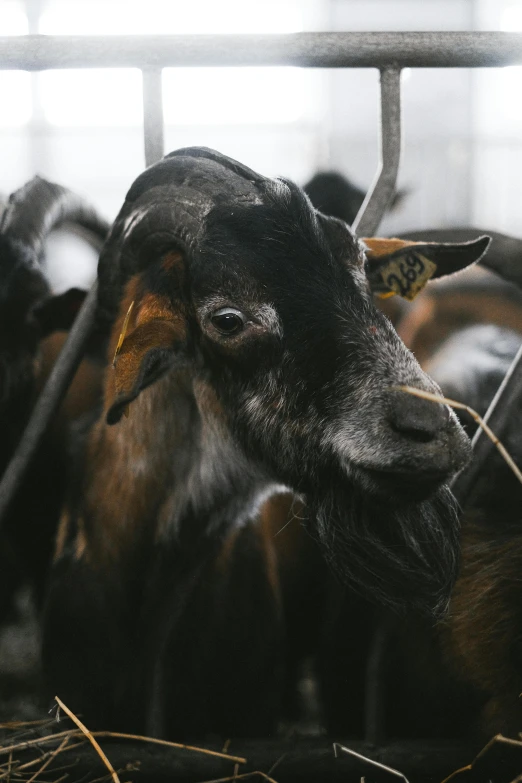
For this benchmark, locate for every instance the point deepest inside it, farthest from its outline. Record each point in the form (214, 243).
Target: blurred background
(462, 152)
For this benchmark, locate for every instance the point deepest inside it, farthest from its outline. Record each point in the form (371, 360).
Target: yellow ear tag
(406, 274)
(123, 333)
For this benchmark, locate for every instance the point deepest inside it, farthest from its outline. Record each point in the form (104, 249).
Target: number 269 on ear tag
(406, 275)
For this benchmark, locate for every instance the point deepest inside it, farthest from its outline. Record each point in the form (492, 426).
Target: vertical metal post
(153, 125)
(381, 192)
(367, 223)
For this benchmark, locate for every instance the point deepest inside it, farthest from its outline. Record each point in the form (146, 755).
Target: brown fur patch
(132, 293)
(85, 389)
(62, 534)
(130, 477)
(81, 541)
(483, 632)
(149, 335)
(152, 324)
(173, 262)
(153, 306)
(127, 469)
(279, 535)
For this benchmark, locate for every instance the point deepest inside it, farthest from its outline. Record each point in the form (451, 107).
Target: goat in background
(33, 323)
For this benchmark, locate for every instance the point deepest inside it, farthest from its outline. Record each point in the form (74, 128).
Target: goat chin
(405, 556)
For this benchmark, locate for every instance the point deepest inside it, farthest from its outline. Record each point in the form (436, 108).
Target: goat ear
(398, 266)
(146, 355)
(57, 313)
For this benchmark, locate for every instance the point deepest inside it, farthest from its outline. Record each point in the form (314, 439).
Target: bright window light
(15, 98)
(94, 97)
(499, 110)
(218, 96)
(13, 19)
(192, 96)
(511, 19)
(170, 16)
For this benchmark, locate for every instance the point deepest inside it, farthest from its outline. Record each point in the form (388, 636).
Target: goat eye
(228, 321)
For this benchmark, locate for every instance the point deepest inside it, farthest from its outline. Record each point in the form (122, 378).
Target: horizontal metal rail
(324, 50)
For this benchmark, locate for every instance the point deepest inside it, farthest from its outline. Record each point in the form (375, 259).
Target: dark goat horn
(167, 205)
(40, 206)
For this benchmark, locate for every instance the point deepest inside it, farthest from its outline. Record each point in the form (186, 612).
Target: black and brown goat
(250, 368)
(33, 322)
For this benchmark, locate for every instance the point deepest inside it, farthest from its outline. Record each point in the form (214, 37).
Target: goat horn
(40, 206)
(168, 205)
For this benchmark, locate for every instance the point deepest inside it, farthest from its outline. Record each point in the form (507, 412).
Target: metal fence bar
(153, 125)
(325, 50)
(381, 192)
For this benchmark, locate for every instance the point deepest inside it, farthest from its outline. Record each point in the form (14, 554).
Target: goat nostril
(417, 419)
(418, 435)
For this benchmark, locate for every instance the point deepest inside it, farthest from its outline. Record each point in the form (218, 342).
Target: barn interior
(380, 689)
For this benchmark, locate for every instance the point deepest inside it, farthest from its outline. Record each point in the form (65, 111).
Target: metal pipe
(367, 223)
(48, 401)
(325, 50)
(381, 192)
(153, 125)
(497, 417)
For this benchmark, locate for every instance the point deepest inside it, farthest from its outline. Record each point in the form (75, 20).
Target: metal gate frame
(389, 52)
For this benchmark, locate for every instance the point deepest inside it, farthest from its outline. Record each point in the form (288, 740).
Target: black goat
(252, 365)
(30, 315)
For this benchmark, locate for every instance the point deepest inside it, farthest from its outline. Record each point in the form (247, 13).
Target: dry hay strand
(457, 772)
(243, 776)
(11, 725)
(37, 741)
(49, 759)
(13, 766)
(424, 395)
(96, 745)
(168, 744)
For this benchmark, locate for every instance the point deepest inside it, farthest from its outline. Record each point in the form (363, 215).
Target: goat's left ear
(149, 352)
(398, 266)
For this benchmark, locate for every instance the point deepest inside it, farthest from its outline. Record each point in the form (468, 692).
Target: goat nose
(416, 418)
